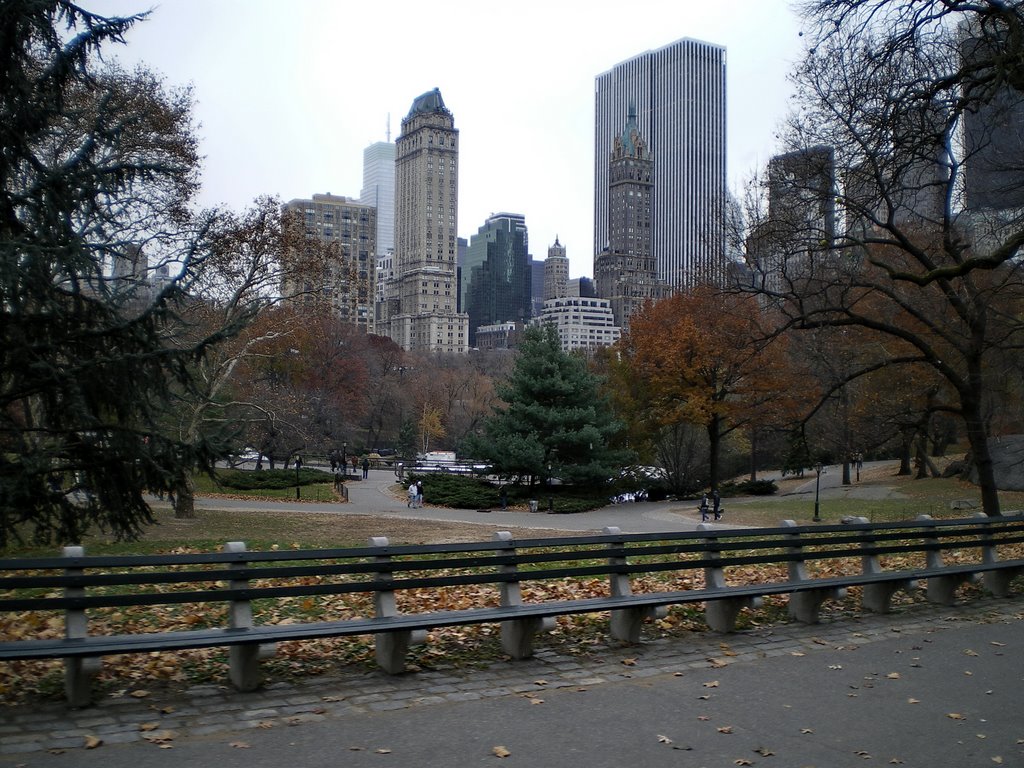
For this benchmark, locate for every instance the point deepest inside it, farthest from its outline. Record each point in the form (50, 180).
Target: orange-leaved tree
(704, 358)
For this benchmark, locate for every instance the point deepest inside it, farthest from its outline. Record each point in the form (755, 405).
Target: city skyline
(289, 99)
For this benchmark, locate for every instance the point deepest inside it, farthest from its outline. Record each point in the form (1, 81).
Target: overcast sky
(289, 94)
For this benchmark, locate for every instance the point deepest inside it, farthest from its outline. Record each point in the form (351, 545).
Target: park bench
(809, 564)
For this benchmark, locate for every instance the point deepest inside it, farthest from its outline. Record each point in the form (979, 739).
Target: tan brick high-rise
(421, 313)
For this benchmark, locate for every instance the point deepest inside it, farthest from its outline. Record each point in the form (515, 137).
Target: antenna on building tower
(388, 132)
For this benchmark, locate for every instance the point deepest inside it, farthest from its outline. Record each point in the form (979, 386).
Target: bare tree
(890, 87)
(253, 259)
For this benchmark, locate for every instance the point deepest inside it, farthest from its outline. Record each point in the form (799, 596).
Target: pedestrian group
(415, 495)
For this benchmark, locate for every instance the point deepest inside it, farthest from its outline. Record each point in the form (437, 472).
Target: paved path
(928, 687)
(374, 497)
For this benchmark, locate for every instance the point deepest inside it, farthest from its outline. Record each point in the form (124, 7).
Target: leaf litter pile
(446, 648)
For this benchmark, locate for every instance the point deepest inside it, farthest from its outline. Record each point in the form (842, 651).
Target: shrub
(749, 488)
(268, 479)
(462, 492)
(457, 491)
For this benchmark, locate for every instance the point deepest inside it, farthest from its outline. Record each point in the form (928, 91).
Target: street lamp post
(298, 466)
(344, 459)
(551, 500)
(818, 468)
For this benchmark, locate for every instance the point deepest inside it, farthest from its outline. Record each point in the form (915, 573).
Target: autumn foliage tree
(703, 357)
(303, 385)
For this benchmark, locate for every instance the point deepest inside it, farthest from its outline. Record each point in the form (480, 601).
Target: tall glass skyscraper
(497, 273)
(679, 94)
(379, 190)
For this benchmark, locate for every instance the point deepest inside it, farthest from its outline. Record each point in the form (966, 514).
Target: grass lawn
(899, 498)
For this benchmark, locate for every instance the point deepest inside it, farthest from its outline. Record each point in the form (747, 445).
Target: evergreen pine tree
(555, 422)
(98, 168)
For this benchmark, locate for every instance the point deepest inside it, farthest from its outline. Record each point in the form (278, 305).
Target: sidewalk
(374, 497)
(930, 686)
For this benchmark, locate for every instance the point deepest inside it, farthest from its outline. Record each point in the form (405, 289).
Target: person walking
(419, 493)
(412, 496)
(366, 467)
(704, 508)
(716, 504)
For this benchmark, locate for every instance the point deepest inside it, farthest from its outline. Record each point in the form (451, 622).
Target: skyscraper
(496, 274)
(423, 313)
(624, 272)
(347, 284)
(802, 194)
(556, 272)
(379, 190)
(994, 128)
(679, 93)
(801, 224)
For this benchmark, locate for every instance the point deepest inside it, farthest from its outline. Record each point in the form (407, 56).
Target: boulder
(1007, 462)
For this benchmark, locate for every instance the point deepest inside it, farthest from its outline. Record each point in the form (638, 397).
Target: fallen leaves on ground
(500, 751)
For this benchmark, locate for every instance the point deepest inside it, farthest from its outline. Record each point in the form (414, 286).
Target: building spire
(387, 130)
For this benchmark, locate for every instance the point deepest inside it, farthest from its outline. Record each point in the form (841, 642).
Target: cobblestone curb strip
(161, 718)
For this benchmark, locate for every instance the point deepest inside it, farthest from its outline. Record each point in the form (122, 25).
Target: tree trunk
(919, 461)
(906, 453)
(977, 437)
(185, 498)
(715, 444)
(846, 471)
(753, 455)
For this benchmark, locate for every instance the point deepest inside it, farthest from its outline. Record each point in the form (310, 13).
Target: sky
(290, 94)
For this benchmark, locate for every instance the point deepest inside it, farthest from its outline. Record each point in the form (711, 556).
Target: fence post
(391, 647)
(877, 597)
(78, 670)
(626, 623)
(805, 604)
(940, 589)
(244, 658)
(997, 580)
(517, 634)
(720, 613)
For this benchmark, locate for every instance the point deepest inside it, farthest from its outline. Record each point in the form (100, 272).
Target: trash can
(533, 505)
